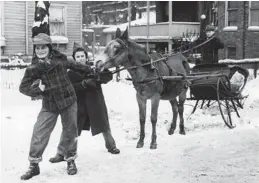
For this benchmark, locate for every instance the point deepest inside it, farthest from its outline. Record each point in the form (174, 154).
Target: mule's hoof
(182, 132)
(140, 144)
(170, 132)
(153, 146)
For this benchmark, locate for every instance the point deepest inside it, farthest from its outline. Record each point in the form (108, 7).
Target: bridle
(155, 61)
(125, 46)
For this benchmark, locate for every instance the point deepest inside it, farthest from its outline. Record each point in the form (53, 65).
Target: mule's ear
(118, 33)
(125, 35)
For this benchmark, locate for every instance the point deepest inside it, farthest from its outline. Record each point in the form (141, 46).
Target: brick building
(238, 25)
(98, 15)
(112, 12)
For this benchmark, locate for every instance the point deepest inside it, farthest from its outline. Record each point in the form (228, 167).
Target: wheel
(224, 106)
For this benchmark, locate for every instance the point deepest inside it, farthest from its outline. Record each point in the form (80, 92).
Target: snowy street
(209, 152)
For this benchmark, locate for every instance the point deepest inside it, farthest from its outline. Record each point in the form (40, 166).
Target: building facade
(238, 26)
(173, 19)
(113, 12)
(185, 17)
(99, 15)
(16, 23)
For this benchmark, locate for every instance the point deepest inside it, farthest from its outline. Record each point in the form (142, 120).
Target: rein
(158, 60)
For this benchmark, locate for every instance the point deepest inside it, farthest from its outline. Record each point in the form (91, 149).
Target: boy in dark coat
(49, 67)
(92, 111)
(209, 50)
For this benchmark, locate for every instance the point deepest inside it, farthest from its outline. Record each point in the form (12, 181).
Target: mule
(124, 52)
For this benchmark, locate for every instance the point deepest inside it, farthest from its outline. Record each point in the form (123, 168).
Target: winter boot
(57, 158)
(71, 167)
(34, 170)
(114, 151)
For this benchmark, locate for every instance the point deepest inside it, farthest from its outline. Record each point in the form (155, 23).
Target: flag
(41, 18)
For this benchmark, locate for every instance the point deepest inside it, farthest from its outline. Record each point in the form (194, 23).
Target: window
(1, 17)
(57, 26)
(57, 20)
(2, 38)
(231, 52)
(232, 7)
(254, 13)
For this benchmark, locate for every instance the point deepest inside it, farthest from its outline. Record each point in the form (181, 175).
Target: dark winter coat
(59, 92)
(92, 110)
(209, 50)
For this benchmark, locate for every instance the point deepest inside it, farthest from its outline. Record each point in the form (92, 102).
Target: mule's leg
(174, 105)
(142, 119)
(154, 109)
(182, 98)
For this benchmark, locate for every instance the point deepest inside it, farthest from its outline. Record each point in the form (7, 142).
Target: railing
(11, 79)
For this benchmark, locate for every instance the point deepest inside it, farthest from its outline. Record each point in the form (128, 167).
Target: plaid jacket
(59, 92)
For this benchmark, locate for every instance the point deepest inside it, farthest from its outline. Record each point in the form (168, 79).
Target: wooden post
(26, 29)
(170, 27)
(93, 46)
(148, 27)
(256, 66)
(129, 15)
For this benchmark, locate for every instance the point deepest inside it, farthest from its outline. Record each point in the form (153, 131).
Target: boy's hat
(76, 46)
(41, 38)
(210, 28)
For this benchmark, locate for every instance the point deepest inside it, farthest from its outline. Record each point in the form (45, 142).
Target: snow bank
(209, 152)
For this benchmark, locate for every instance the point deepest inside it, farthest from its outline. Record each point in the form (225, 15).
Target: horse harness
(164, 59)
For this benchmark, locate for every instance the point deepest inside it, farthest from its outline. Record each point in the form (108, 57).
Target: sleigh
(218, 89)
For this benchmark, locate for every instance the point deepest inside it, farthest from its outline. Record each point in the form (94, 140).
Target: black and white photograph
(129, 91)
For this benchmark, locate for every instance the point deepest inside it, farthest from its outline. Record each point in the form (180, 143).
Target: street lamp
(202, 26)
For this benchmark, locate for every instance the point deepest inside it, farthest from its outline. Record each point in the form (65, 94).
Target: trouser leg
(68, 140)
(109, 140)
(45, 124)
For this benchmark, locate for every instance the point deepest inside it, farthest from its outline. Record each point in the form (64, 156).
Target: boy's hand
(89, 83)
(106, 76)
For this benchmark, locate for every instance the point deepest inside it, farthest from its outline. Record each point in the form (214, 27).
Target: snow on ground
(209, 152)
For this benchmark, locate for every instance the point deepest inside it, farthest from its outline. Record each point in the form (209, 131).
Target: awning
(59, 40)
(2, 41)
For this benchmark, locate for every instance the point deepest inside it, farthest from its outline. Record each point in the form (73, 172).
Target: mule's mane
(140, 50)
(137, 49)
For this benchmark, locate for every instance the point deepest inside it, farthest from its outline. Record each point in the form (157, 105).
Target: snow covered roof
(239, 61)
(142, 21)
(87, 30)
(59, 39)
(99, 26)
(149, 38)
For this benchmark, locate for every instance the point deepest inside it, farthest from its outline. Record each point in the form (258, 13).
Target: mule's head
(115, 53)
